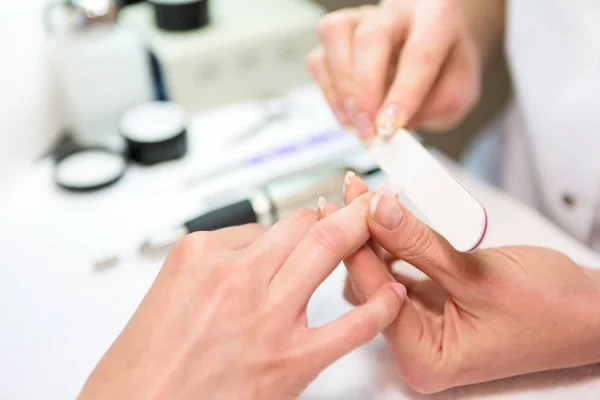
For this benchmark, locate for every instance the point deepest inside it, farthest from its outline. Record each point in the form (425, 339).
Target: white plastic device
(430, 191)
(250, 49)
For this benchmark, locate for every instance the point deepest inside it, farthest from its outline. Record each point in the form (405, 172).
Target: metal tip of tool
(106, 263)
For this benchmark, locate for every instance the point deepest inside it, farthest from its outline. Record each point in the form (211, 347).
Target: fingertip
(324, 209)
(354, 186)
(399, 289)
(389, 119)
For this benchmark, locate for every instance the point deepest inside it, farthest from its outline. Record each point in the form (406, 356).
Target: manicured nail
(387, 187)
(350, 105)
(347, 179)
(390, 119)
(321, 207)
(399, 289)
(364, 126)
(385, 211)
(341, 116)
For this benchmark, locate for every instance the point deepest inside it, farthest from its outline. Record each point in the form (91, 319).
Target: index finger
(374, 43)
(327, 243)
(421, 60)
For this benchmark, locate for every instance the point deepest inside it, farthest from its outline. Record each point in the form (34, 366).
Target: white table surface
(58, 316)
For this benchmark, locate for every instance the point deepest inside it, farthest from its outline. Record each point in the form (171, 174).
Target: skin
(405, 63)
(478, 316)
(226, 316)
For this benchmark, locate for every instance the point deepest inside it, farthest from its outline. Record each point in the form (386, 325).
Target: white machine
(251, 49)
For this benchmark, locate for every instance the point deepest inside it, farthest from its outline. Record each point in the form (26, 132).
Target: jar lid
(155, 132)
(89, 169)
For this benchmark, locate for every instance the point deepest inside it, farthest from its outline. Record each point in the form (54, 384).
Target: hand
(483, 315)
(403, 63)
(226, 316)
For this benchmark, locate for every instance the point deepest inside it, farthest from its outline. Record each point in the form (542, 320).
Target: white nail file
(433, 193)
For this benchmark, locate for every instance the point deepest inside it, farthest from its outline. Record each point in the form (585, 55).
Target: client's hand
(483, 315)
(226, 316)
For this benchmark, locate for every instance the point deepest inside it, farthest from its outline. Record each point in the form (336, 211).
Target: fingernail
(321, 207)
(385, 211)
(389, 119)
(347, 179)
(350, 105)
(341, 116)
(399, 289)
(386, 187)
(364, 126)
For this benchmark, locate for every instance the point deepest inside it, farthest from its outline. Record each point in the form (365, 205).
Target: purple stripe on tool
(325, 137)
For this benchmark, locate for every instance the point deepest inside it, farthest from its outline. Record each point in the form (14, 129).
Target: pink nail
(347, 179)
(364, 126)
(341, 116)
(351, 107)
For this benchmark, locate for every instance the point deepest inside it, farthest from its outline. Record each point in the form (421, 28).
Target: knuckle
(419, 241)
(420, 54)
(192, 246)
(327, 236)
(314, 60)
(368, 34)
(452, 104)
(303, 216)
(332, 23)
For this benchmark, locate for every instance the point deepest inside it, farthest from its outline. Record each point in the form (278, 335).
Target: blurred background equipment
(102, 68)
(89, 169)
(250, 49)
(155, 132)
(180, 15)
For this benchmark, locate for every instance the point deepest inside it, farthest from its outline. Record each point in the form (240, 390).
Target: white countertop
(58, 316)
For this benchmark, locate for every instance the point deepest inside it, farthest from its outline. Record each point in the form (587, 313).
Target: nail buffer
(430, 191)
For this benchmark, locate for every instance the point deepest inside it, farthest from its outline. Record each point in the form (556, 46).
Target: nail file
(433, 193)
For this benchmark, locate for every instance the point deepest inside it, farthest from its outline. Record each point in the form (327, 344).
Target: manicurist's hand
(226, 316)
(402, 63)
(483, 315)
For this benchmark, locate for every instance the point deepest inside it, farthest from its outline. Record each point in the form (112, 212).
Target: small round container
(180, 15)
(155, 132)
(89, 169)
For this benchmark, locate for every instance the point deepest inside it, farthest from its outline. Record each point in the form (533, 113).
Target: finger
(326, 244)
(366, 259)
(358, 326)
(349, 293)
(421, 59)
(405, 236)
(337, 32)
(238, 237)
(354, 186)
(318, 68)
(455, 93)
(374, 43)
(277, 243)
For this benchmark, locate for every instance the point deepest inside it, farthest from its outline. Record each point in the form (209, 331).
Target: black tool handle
(232, 215)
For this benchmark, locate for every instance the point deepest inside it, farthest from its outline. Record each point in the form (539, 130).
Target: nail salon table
(58, 315)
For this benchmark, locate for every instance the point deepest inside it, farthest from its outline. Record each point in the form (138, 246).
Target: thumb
(360, 325)
(399, 232)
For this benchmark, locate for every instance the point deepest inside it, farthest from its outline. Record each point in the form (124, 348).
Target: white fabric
(553, 132)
